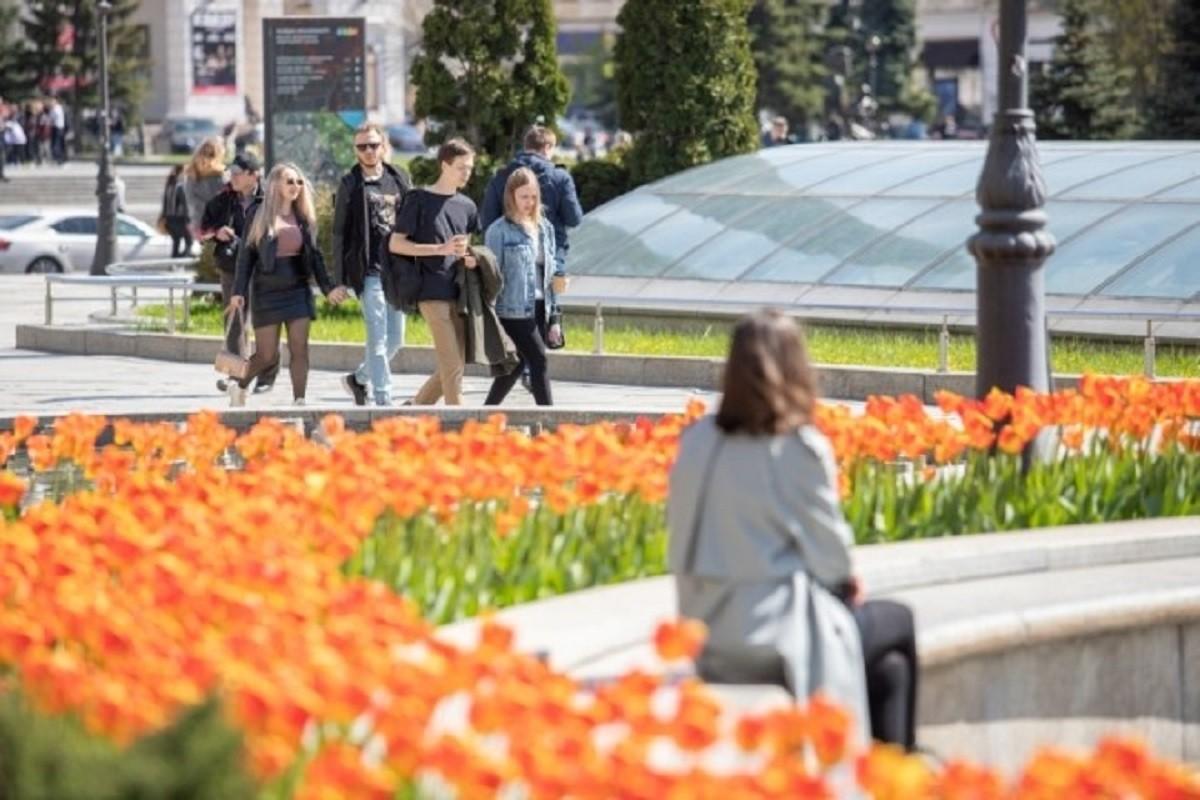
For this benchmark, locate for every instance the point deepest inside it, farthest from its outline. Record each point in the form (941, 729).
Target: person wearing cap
(226, 218)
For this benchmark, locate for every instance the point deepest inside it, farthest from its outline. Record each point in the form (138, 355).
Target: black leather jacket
(253, 258)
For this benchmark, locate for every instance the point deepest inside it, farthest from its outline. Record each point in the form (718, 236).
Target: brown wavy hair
(769, 386)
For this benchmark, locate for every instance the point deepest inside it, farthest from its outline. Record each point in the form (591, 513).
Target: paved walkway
(47, 383)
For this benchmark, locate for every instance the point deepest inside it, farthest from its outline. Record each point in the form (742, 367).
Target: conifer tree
(11, 67)
(62, 42)
(1175, 106)
(685, 83)
(489, 69)
(788, 47)
(894, 22)
(1082, 93)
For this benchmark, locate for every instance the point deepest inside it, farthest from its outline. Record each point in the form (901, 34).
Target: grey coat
(198, 192)
(756, 564)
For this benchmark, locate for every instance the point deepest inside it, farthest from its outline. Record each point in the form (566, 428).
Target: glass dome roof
(896, 215)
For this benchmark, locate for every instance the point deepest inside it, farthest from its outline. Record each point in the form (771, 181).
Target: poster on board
(214, 52)
(315, 92)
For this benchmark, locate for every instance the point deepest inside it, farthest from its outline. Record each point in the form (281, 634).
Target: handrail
(156, 266)
(741, 307)
(735, 308)
(184, 282)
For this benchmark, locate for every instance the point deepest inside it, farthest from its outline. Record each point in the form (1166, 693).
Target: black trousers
(889, 644)
(532, 350)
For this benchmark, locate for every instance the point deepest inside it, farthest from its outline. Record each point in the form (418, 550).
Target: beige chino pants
(449, 345)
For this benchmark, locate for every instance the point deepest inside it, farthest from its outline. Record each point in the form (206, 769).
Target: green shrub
(599, 181)
(197, 757)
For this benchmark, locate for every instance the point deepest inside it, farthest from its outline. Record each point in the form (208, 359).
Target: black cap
(247, 162)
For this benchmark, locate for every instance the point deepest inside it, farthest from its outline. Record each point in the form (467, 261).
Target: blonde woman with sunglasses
(279, 259)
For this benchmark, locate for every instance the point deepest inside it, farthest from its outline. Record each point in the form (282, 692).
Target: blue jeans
(385, 337)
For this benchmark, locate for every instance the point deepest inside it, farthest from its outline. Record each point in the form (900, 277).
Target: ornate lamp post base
(1012, 243)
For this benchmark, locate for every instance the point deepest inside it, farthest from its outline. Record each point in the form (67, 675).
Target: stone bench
(1055, 636)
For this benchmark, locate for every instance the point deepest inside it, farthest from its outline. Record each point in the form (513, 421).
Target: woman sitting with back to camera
(280, 256)
(761, 552)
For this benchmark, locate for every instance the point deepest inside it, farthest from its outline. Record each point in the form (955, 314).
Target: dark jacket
(486, 341)
(174, 205)
(350, 256)
(226, 209)
(560, 203)
(252, 259)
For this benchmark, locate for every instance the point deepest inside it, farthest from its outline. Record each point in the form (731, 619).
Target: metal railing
(734, 309)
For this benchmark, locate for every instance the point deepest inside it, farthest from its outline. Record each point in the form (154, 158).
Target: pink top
(289, 240)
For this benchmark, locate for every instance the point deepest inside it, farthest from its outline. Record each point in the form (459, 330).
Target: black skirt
(281, 295)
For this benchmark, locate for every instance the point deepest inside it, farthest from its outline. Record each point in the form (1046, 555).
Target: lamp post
(873, 45)
(106, 186)
(1012, 244)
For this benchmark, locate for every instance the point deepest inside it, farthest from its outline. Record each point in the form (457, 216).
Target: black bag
(401, 275)
(401, 278)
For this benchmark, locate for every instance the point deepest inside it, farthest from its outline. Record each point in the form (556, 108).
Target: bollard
(598, 331)
(1150, 348)
(133, 301)
(114, 301)
(944, 346)
(49, 302)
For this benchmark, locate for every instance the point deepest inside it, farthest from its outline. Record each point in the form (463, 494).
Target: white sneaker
(299, 401)
(237, 395)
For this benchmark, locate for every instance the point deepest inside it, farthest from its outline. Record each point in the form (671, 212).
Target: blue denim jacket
(517, 253)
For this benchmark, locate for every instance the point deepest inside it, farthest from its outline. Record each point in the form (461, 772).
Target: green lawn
(828, 344)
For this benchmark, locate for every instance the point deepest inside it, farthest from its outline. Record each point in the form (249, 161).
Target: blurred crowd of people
(34, 132)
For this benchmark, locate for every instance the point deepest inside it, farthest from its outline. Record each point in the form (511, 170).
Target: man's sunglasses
(365, 146)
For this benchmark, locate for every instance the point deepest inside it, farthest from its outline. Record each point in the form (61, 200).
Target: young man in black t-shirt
(434, 227)
(363, 216)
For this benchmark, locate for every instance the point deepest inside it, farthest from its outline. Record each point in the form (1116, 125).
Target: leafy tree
(11, 65)
(1082, 94)
(1174, 110)
(894, 24)
(1136, 32)
(62, 39)
(789, 46)
(488, 70)
(685, 83)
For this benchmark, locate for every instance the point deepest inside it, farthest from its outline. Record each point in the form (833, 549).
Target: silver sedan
(64, 240)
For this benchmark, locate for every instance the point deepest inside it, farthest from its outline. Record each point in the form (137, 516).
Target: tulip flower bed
(163, 578)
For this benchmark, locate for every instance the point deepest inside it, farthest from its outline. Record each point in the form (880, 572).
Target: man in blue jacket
(559, 200)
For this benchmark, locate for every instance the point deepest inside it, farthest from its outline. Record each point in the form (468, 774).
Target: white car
(64, 240)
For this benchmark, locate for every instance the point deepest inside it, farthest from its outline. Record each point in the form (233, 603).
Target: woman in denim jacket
(523, 241)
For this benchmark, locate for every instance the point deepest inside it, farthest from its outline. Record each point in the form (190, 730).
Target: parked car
(64, 240)
(406, 138)
(182, 134)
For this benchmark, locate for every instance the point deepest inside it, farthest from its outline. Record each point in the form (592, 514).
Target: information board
(315, 92)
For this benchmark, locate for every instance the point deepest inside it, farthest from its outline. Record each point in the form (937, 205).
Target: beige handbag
(235, 365)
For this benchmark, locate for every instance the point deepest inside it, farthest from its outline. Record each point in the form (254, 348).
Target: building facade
(207, 54)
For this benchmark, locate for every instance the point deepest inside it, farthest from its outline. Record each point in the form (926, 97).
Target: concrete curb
(309, 418)
(840, 382)
(622, 618)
